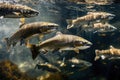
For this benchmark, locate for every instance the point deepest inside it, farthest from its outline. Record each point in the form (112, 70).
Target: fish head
(111, 27)
(81, 43)
(110, 16)
(81, 64)
(29, 12)
(84, 63)
(21, 11)
(48, 27)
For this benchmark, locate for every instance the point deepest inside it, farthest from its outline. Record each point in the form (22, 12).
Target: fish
(99, 2)
(91, 17)
(79, 63)
(60, 42)
(29, 30)
(47, 67)
(103, 27)
(100, 27)
(8, 10)
(92, 2)
(74, 63)
(111, 53)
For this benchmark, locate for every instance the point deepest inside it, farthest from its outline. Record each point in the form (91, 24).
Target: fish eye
(81, 42)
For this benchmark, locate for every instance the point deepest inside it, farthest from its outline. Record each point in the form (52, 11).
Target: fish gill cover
(58, 11)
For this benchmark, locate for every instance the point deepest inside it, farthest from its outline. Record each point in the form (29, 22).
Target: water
(58, 11)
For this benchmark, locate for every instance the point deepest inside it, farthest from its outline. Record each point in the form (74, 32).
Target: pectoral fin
(76, 50)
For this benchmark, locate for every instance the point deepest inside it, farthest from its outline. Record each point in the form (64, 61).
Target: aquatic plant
(10, 71)
(53, 76)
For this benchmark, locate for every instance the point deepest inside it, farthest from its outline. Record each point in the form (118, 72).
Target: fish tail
(69, 22)
(8, 43)
(96, 55)
(34, 50)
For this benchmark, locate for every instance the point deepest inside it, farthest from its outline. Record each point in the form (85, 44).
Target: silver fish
(28, 30)
(89, 18)
(60, 42)
(100, 27)
(48, 67)
(75, 62)
(68, 66)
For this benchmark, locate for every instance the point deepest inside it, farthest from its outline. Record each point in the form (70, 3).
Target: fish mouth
(83, 47)
(32, 14)
(111, 16)
(51, 30)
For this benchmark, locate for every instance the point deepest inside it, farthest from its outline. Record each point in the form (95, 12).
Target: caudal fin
(69, 22)
(34, 50)
(8, 43)
(96, 56)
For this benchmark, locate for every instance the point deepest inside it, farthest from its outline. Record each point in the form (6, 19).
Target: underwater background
(19, 65)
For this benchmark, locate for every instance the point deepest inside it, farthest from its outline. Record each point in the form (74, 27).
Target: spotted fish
(91, 17)
(8, 10)
(60, 42)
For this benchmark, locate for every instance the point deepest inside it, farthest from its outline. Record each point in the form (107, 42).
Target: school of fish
(98, 21)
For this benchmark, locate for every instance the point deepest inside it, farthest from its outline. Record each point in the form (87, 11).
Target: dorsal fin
(59, 33)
